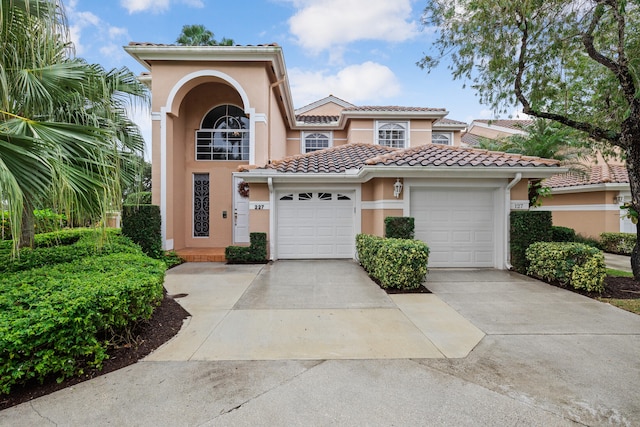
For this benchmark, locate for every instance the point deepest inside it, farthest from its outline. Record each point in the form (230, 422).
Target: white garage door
(315, 225)
(457, 225)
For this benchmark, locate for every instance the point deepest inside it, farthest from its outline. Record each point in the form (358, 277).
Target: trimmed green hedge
(75, 245)
(52, 318)
(618, 243)
(140, 198)
(395, 263)
(527, 227)
(562, 234)
(142, 224)
(570, 264)
(256, 252)
(399, 227)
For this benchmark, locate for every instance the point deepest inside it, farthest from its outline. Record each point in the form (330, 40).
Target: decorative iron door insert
(201, 205)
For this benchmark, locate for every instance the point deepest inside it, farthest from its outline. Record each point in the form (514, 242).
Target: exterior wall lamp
(397, 188)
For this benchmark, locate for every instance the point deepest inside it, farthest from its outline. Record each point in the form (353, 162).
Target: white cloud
(369, 82)
(90, 33)
(156, 6)
(326, 24)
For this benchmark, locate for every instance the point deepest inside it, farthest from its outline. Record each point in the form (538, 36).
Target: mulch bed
(619, 288)
(165, 323)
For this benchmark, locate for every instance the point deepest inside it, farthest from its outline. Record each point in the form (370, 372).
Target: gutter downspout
(272, 220)
(507, 198)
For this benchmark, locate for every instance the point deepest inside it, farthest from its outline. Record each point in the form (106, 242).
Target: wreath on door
(243, 189)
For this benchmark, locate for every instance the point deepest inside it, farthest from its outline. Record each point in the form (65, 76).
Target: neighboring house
(590, 202)
(232, 156)
(493, 129)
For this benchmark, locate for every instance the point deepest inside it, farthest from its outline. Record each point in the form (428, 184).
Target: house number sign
(259, 206)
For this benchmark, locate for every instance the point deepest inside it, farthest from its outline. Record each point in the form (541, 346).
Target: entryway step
(202, 254)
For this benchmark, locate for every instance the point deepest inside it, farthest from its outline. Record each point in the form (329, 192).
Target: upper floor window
(441, 138)
(316, 141)
(392, 134)
(223, 135)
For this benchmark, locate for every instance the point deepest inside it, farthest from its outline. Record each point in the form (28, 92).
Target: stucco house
(588, 202)
(232, 156)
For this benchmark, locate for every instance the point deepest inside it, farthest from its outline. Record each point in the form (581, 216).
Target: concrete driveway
(546, 356)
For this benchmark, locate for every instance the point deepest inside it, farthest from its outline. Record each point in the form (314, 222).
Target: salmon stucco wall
(259, 218)
(603, 217)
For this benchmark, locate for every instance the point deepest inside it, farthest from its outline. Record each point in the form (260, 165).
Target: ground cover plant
(62, 307)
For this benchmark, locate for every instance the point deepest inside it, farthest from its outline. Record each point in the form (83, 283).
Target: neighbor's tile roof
(355, 156)
(395, 108)
(446, 121)
(443, 155)
(316, 119)
(470, 139)
(331, 160)
(599, 174)
(173, 44)
(509, 124)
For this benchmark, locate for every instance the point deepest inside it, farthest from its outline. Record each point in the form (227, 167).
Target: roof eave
(606, 186)
(368, 172)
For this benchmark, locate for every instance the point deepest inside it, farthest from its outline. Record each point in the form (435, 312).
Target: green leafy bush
(367, 247)
(395, 263)
(562, 234)
(589, 241)
(140, 198)
(52, 318)
(255, 253)
(618, 243)
(142, 224)
(568, 263)
(527, 227)
(88, 242)
(47, 220)
(399, 227)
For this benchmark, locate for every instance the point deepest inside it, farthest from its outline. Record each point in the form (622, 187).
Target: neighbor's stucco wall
(595, 212)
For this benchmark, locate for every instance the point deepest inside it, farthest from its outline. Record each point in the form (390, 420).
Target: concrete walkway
(307, 310)
(618, 262)
(549, 357)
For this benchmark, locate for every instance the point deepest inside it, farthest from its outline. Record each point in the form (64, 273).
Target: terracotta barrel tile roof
(393, 108)
(442, 155)
(599, 174)
(331, 160)
(446, 121)
(317, 120)
(355, 156)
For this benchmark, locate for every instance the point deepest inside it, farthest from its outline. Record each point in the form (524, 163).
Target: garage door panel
(318, 225)
(457, 224)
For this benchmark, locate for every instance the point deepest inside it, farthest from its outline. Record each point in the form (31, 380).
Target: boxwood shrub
(562, 234)
(618, 243)
(142, 224)
(399, 227)
(256, 252)
(569, 264)
(52, 318)
(73, 245)
(395, 263)
(527, 227)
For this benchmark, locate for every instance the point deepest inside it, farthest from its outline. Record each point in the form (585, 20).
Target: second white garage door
(315, 225)
(457, 225)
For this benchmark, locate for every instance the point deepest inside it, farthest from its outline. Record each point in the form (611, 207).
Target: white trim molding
(583, 208)
(383, 204)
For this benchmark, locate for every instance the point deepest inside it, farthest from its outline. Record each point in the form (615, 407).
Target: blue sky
(363, 51)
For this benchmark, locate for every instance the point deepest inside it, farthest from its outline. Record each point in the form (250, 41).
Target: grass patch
(618, 273)
(632, 305)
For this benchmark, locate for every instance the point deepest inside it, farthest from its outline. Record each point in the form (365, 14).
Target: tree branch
(593, 131)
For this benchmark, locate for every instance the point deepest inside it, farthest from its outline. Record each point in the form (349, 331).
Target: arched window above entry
(223, 134)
